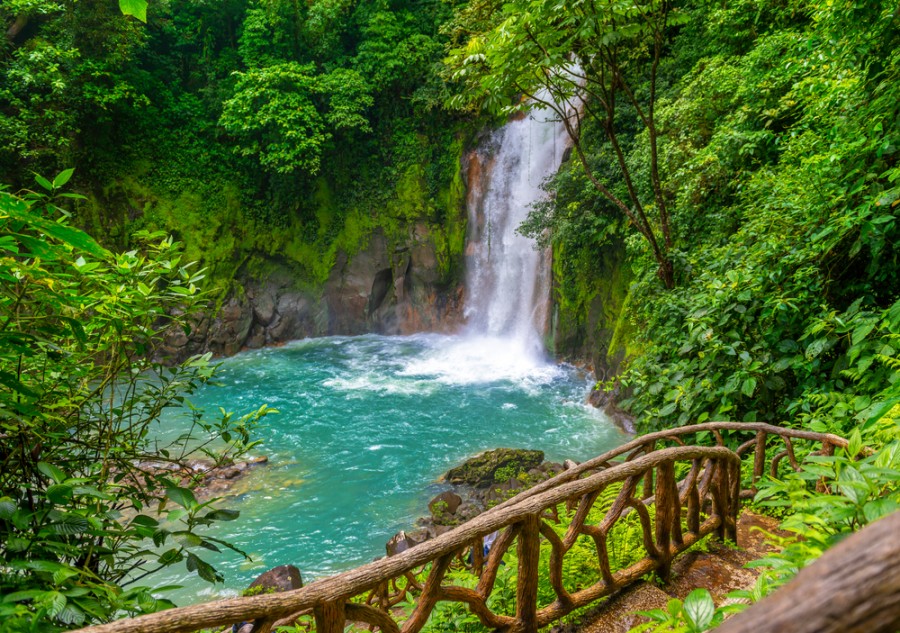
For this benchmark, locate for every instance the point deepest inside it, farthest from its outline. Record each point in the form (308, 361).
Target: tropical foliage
(90, 499)
(725, 235)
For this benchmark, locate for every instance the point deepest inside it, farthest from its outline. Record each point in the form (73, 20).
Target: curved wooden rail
(679, 494)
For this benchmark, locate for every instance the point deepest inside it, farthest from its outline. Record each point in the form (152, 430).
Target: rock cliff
(386, 287)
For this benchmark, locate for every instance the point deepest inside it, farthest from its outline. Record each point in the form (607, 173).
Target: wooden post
(478, 556)
(759, 458)
(529, 551)
(329, 617)
(828, 450)
(262, 626)
(668, 512)
(648, 476)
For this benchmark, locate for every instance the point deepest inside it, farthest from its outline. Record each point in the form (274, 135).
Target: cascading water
(508, 278)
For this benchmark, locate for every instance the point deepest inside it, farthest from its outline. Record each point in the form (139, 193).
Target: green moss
(234, 231)
(591, 300)
(623, 343)
(449, 235)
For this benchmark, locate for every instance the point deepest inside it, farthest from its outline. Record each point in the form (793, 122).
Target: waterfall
(508, 279)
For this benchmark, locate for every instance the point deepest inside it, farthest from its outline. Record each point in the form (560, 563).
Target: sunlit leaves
(136, 8)
(79, 388)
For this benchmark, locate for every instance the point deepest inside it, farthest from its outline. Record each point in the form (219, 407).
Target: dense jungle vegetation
(725, 233)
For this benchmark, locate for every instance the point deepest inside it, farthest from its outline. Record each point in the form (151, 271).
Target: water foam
(472, 360)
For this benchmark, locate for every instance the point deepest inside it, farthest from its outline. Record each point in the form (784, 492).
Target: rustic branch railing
(643, 476)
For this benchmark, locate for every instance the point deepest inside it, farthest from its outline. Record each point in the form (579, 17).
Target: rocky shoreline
(478, 484)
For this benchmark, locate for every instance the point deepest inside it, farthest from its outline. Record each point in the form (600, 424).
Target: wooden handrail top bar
(649, 438)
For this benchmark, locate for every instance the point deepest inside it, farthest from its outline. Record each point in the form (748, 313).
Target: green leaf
(7, 508)
(852, 484)
(136, 8)
(71, 615)
(9, 380)
(182, 496)
(55, 602)
(879, 411)
(667, 410)
(51, 471)
(699, 609)
(61, 576)
(17, 544)
(223, 515)
(855, 444)
(203, 569)
(71, 524)
(77, 329)
(19, 596)
(748, 387)
(879, 508)
(43, 182)
(143, 519)
(60, 494)
(62, 178)
(187, 539)
(171, 557)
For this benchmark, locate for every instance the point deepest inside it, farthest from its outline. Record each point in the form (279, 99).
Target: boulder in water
(276, 580)
(402, 541)
(490, 467)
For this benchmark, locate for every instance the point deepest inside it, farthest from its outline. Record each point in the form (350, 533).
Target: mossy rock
(483, 470)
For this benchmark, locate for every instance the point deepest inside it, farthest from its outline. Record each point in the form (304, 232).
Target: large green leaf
(699, 609)
(60, 493)
(53, 472)
(136, 8)
(71, 524)
(62, 178)
(74, 237)
(182, 496)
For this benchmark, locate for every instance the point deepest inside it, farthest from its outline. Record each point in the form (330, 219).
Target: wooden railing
(675, 493)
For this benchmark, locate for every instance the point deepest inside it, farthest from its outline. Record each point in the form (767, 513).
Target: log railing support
(529, 553)
(330, 617)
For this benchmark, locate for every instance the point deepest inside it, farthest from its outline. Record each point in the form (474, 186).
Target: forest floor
(720, 569)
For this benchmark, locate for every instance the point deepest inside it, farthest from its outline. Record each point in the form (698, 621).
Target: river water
(366, 427)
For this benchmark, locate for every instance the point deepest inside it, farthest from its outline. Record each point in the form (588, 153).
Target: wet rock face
(446, 502)
(384, 288)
